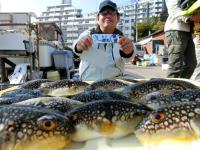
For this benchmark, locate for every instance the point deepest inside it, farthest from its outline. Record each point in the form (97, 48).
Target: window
(126, 28)
(126, 21)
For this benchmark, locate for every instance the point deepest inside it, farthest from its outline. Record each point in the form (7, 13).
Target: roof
(145, 41)
(49, 26)
(149, 37)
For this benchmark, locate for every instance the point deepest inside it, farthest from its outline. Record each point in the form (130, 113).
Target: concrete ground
(145, 72)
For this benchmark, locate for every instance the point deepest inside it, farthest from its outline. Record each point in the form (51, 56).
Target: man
(103, 60)
(181, 51)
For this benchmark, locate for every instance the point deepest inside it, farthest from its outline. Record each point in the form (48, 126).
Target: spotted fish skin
(177, 97)
(58, 104)
(89, 96)
(165, 86)
(30, 128)
(173, 123)
(19, 95)
(63, 87)
(34, 84)
(185, 96)
(22, 92)
(112, 119)
(107, 84)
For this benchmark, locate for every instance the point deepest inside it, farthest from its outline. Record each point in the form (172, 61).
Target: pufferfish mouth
(44, 144)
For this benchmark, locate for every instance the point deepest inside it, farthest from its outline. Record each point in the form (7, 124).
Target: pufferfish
(63, 87)
(138, 92)
(177, 123)
(110, 119)
(33, 128)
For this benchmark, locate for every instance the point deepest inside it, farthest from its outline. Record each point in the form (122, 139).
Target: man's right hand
(84, 44)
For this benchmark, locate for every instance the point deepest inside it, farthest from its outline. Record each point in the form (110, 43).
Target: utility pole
(136, 27)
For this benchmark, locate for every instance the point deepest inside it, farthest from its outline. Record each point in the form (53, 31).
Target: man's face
(108, 19)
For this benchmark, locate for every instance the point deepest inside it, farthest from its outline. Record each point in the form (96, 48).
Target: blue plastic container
(63, 59)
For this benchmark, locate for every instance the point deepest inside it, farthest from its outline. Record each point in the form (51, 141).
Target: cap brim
(109, 6)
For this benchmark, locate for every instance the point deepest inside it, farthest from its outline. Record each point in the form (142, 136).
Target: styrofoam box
(12, 41)
(15, 17)
(125, 143)
(129, 143)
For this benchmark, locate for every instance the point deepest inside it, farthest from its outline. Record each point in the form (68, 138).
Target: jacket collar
(98, 30)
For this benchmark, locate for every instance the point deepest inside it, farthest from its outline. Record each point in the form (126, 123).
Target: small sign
(105, 38)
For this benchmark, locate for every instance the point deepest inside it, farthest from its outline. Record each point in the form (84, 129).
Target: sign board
(105, 38)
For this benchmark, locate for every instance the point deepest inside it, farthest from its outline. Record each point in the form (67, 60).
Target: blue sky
(38, 6)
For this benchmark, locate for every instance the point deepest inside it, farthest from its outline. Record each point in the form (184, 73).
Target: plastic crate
(63, 59)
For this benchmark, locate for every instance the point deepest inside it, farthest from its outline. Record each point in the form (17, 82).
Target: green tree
(158, 26)
(149, 26)
(143, 29)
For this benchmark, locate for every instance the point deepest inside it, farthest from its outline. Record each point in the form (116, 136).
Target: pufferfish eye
(157, 117)
(47, 123)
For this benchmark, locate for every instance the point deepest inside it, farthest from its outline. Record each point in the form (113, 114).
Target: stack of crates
(63, 59)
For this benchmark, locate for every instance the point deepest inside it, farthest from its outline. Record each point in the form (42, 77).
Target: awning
(145, 41)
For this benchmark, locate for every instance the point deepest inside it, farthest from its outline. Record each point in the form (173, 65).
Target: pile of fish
(51, 115)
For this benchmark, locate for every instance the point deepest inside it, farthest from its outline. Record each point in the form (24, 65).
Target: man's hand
(126, 45)
(84, 44)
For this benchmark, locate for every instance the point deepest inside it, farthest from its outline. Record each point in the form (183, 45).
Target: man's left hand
(126, 45)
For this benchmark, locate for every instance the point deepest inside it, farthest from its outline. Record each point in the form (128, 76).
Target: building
(72, 22)
(154, 42)
(137, 13)
(64, 15)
